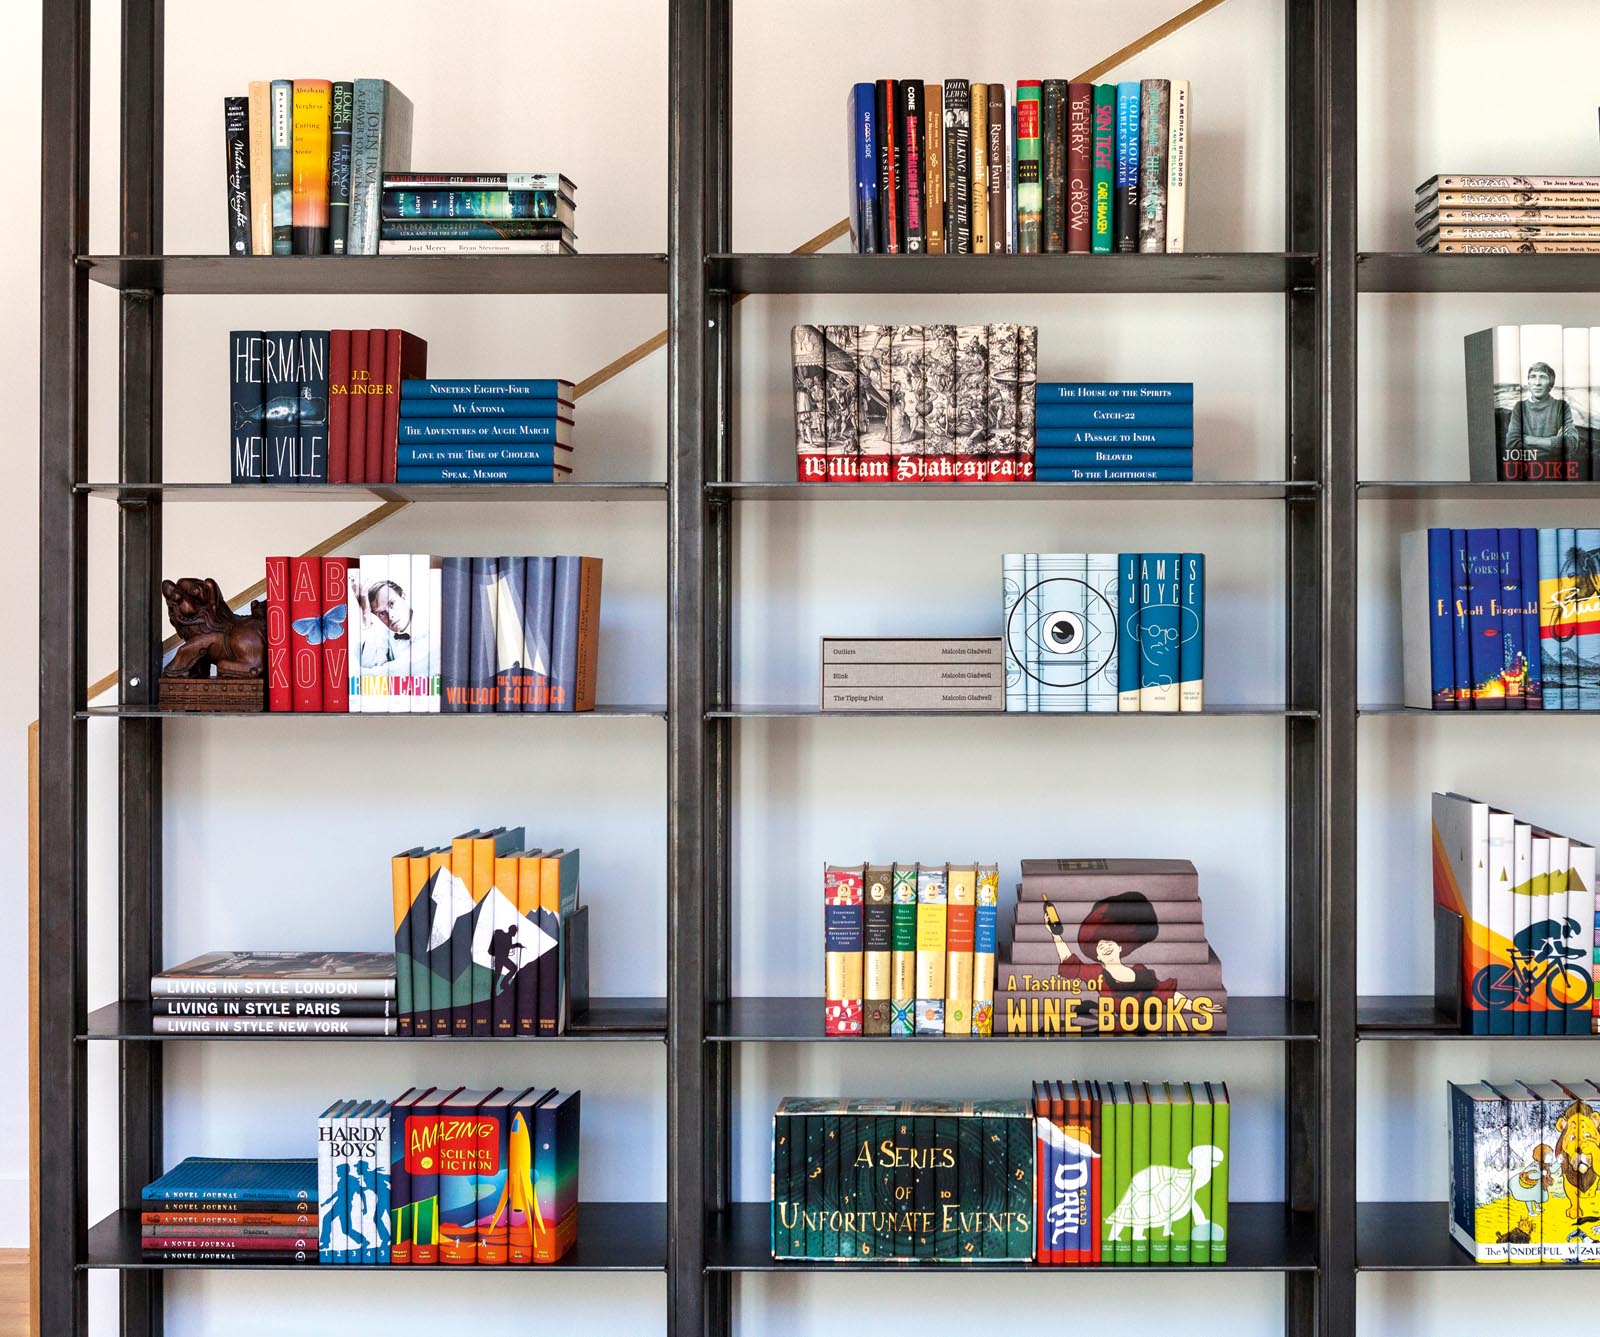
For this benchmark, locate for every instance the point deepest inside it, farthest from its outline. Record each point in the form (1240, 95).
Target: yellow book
(961, 887)
(979, 157)
(932, 909)
(260, 167)
(312, 143)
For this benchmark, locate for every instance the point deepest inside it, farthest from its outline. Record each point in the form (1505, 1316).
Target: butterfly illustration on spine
(316, 630)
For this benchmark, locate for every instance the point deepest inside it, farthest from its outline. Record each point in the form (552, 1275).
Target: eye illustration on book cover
(1061, 632)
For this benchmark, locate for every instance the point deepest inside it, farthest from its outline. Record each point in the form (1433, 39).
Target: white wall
(1435, 97)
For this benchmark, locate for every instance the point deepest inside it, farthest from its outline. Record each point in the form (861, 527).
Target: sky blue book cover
(1014, 623)
(1549, 645)
(1100, 633)
(1060, 645)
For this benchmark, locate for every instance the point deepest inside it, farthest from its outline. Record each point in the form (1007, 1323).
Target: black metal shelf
(155, 713)
(846, 272)
(1412, 1237)
(1462, 490)
(777, 1020)
(1204, 490)
(300, 275)
(612, 1237)
(251, 493)
(1416, 271)
(1415, 1017)
(641, 1020)
(1263, 1237)
(1395, 708)
(806, 712)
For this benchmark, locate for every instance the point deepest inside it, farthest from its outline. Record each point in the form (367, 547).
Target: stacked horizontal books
(1109, 947)
(1509, 215)
(304, 160)
(1526, 901)
(318, 406)
(477, 213)
(489, 937)
(913, 673)
(432, 634)
(1533, 404)
(276, 993)
(1522, 1181)
(914, 403)
(909, 948)
(1114, 432)
(494, 431)
(1104, 632)
(961, 168)
(1132, 1174)
(207, 1210)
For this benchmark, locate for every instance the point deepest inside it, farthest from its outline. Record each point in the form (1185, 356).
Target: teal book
(1019, 1217)
(1192, 634)
(209, 1179)
(948, 1201)
(1160, 621)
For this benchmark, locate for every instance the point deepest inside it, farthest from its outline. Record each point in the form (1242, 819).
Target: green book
(1103, 157)
(1105, 1182)
(782, 1198)
(1219, 1176)
(1136, 1203)
(1182, 1143)
(996, 1182)
(1200, 1235)
(925, 1187)
(969, 1167)
(1121, 1234)
(903, 953)
(1030, 190)
(841, 1152)
(1160, 1227)
(1020, 1170)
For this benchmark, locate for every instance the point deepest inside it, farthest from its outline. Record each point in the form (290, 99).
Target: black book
(247, 396)
(958, 167)
(281, 414)
(311, 442)
(1053, 162)
(888, 206)
(455, 631)
(236, 131)
(1125, 199)
(909, 130)
(339, 144)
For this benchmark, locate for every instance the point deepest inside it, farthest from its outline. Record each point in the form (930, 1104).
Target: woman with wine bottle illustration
(1115, 927)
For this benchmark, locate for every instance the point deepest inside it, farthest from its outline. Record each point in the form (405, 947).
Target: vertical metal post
(63, 418)
(139, 573)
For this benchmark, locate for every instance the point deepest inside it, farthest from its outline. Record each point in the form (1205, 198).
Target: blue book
(281, 370)
(1115, 415)
(1126, 195)
(1485, 567)
(339, 141)
(485, 431)
(1160, 627)
(455, 630)
(1461, 653)
(1128, 655)
(1549, 645)
(281, 137)
(481, 406)
(1112, 436)
(219, 1179)
(410, 454)
(480, 473)
(537, 613)
(1079, 457)
(247, 405)
(311, 446)
(1512, 599)
(438, 388)
(1588, 638)
(481, 628)
(863, 118)
(1567, 570)
(1115, 392)
(1528, 542)
(1192, 634)
(1111, 473)
(1441, 620)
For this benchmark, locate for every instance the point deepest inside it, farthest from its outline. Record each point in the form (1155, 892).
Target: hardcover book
(1079, 168)
(932, 911)
(933, 195)
(1126, 212)
(236, 141)
(1030, 168)
(1155, 97)
(341, 123)
(380, 143)
(877, 950)
(958, 167)
(810, 402)
(311, 141)
(903, 960)
(842, 933)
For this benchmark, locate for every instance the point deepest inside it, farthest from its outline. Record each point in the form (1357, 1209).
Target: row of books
(1522, 1179)
(1525, 897)
(483, 936)
(211, 1210)
(432, 634)
(1099, 432)
(1132, 1173)
(1511, 619)
(449, 1176)
(1533, 404)
(276, 993)
(909, 948)
(304, 161)
(477, 213)
(450, 438)
(318, 406)
(914, 403)
(959, 168)
(1104, 632)
(1508, 215)
(868, 673)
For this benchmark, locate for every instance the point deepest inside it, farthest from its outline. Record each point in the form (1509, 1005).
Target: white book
(1058, 634)
(392, 607)
(1030, 616)
(1581, 908)
(418, 632)
(435, 633)
(1178, 165)
(327, 1180)
(1100, 696)
(372, 637)
(1014, 628)
(1552, 909)
(1575, 386)
(353, 628)
(1461, 827)
(1416, 622)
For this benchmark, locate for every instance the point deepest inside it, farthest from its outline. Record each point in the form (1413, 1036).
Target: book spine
(556, 1128)
(997, 131)
(1514, 671)
(279, 697)
(1485, 571)
(341, 120)
(479, 473)
(961, 889)
(485, 437)
(456, 634)
(913, 129)
(481, 627)
(933, 195)
(1088, 457)
(1015, 625)
(877, 951)
(236, 145)
(1129, 654)
(1078, 209)
(338, 406)
(1103, 176)
(305, 623)
(888, 207)
(809, 367)
(1550, 621)
(1052, 165)
(475, 229)
(897, 158)
(412, 245)
(932, 911)
(504, 205)
(1461, 637)
(509, 670)
(377, 389)
(1182, 1146)
(1127, 193)
(1178, 167)
(1441, 621)
(908, 436)
(958, 167)
(1117, 415)
(863, 126)
(1139, 1164)
(1115, 436)
(1587, 615)
(1100, 626)
(985, 924)
(1011, 180)
(1220, 1122)
(260, 124)
(282, 167)
(335, 644)
(978, 205)
(903, 947)
(842, 934)
(281, 405)
(1160, 1155)
(1155, 99)
(311, 140)
(1027, 393)
(1030, 169)
(311, 442)
(400, 896)
(247, 399)
(537, 616)
(402, 1208)
(1046, 472)
(366, 166)
(406, 356)
(1160, 620)
(1115, 392)
(1568, 564)
(1192, 634)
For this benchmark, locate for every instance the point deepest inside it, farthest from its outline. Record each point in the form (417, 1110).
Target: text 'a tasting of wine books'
(1525, 899)
(970, 168)
(1508, 215)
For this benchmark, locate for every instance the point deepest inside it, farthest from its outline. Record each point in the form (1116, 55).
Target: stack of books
(477, 213)
(961, 168)
(276, 993)
(1508, 215)
(318, 406)
(1522, 1181)
(304, 161)
(913, 673)
(1104, 632)
(1526, 900)
(1109, 947)
(1115, 432)
(485, 936)
(1533, 404)
(206, 1210)
(493, 431)
(1132, 1174)
(432, 634)
(909, 948)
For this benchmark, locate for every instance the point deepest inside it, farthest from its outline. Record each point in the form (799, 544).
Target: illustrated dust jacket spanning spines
(810, 401)
(908, 435)
(842, 931)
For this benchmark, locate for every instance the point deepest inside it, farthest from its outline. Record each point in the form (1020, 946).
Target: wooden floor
(13, 1292)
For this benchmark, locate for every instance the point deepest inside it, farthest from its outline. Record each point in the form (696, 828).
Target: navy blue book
(1512, 598)
(339, 144)
(863, 118)
(1125, 212)
(480, 473)
(1485, 571)
(1114, 415)
(538, 610)
(281, 416)
(222, 1180)
(247, 404)
(1115, 392)
(1461, 627)
(455, 632)
(1192, 634)
(1114, 436)
(1531, 636)
(1441, 686)
(1143, 457)
(408, 453)
(1160, 630)
(1111, 473)
(438, 388)
(482, 406)
(564, 633)
(311, 447)
(485, 431)
(480, 655)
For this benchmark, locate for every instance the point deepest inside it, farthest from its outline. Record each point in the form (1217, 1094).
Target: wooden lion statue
(213, 635)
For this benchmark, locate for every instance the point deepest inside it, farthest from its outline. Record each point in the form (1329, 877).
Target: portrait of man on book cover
(388, 624)
(1543, 420)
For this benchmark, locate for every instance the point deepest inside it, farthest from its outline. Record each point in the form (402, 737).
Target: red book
(1080, 170)
(377, 342)
(1073, 1120)
(360, 382)
(278, 634)
(405, 359)
(1041, 1178)
(305, 621)
(338, 406)
(1096, 1129)
(335, 640)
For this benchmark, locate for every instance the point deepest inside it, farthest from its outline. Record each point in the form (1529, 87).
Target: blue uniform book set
(1114, 432)
(465, 431)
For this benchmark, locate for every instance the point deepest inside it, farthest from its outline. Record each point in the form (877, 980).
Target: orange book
(400, 898)
(435, 963)
(558, 898)
(419, 1005)
(588, 633)
(312, 141)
